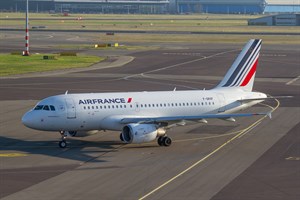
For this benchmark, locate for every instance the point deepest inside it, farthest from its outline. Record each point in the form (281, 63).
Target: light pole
(26, 52)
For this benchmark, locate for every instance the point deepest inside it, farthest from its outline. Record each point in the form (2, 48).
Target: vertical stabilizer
(242, 72)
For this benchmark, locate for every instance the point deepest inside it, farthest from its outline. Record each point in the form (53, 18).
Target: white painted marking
(293, 80)
(179, 64)
(244, 131)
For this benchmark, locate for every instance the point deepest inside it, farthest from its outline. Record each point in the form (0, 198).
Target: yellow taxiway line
(11, 155)
(241, 133)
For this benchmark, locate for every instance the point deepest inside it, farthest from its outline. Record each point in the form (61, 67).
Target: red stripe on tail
(250, 74)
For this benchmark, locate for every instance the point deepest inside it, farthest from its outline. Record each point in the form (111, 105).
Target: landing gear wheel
(167, 141)
(121, 137)
(73, 133)
(160, 140)
(62, 144)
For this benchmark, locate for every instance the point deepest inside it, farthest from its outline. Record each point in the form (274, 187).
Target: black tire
(160, 141)
(167, 141)
(62, 144)
(121, 137)
(73, 133)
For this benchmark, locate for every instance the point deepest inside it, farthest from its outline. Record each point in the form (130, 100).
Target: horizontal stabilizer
(264, 98)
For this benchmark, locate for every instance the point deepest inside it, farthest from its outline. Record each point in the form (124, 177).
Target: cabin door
(71, 109)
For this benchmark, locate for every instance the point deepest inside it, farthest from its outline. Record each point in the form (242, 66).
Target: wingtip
(269, 114)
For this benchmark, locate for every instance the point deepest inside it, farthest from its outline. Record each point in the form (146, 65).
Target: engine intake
(140, 133)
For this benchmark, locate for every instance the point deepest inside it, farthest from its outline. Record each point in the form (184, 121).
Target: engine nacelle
(140, 133)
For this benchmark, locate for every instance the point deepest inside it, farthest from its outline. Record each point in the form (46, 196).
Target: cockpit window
(46, 108)
(39, 107)
(52, 108)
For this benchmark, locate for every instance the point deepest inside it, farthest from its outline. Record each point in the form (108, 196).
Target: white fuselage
(103, 111)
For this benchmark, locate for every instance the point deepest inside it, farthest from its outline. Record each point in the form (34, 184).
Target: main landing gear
(164, 141)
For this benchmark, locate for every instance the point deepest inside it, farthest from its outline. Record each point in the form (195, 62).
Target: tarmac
(253, 158)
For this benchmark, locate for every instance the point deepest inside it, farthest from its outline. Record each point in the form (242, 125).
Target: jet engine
(140, 133)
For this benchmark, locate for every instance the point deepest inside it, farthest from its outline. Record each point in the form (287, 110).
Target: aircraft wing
(146, 120)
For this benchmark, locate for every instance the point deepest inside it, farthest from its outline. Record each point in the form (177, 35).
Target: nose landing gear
(63, 142)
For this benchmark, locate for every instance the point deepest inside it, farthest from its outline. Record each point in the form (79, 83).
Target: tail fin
(242, 72)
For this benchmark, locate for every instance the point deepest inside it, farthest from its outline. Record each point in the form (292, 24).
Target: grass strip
(17, 64)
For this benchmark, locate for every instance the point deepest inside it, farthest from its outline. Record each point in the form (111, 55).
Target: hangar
(89, 6)
(282, 6)
(277, 20)
(221, 6)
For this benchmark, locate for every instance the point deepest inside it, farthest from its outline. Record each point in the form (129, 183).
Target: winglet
(66, 92)
(269, 114)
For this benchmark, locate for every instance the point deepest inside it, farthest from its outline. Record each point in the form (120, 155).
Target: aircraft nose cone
(27, 120)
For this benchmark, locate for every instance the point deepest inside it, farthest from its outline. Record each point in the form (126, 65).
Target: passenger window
(52, 108)
(84, 107)
(46, 108)
(39, 107)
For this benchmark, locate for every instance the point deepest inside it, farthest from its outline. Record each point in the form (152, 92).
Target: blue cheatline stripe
(241, 64)
(247, 66)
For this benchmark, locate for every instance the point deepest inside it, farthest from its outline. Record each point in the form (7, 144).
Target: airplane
(146, 116)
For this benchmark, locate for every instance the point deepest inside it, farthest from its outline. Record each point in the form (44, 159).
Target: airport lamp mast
(26, 52)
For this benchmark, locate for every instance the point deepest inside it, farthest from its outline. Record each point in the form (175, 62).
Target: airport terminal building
(155, 6)
(90, 6)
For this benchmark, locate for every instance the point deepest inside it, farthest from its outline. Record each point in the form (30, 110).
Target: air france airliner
(146, 116)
